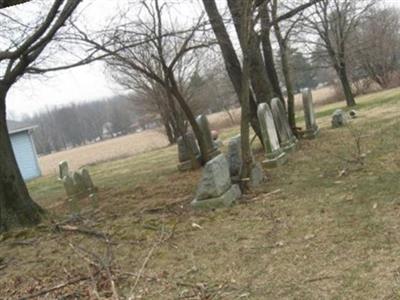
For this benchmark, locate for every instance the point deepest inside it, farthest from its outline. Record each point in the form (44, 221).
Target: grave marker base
(276, 160)
(225, 200)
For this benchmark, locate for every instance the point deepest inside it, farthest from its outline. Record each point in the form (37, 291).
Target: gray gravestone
(76, 184)
(69, 186)
(215, 188)
(339, 118)
(87, 180)
(79, 182)
(312, 129)
(188, 152)
(63, 169)
(205, 129)
(287, 139)
(234, 157)
(275, 155)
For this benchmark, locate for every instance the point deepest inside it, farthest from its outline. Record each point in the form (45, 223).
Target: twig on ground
(264, 196)
(54, 288)
(82, 230)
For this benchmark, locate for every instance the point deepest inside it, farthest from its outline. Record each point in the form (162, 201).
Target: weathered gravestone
(215, 188)
(212, 149)
(77, 184)
(339, 118)
(275, 155)
(286, 137)
(234, 157)
(312, 129)
(188, 153)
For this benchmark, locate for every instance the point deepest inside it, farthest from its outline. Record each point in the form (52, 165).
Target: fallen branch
(82, 230)
(262, 197)
(54, 288)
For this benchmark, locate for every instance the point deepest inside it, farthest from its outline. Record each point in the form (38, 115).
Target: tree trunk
(344, 80)
(16, 206)
(268, 52)
(283, 47)
(246, 26)
(231, 60)
(190, 117)
(258, 75)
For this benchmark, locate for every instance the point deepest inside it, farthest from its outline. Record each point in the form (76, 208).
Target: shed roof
(16, 127)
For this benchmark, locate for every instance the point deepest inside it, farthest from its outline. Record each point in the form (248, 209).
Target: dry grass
(120, 147)
(323, 235)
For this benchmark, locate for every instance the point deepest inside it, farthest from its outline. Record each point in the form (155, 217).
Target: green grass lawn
(321, 227)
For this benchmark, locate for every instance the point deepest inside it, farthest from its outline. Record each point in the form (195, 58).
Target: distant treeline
(77, 124)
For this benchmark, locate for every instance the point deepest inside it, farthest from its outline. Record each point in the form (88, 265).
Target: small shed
(24, 149)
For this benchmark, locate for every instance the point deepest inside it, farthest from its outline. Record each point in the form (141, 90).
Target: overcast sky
(80, 84)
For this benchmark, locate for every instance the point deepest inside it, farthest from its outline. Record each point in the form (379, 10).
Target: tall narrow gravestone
(286, 137)
(188, 153)
(312, 129)
(215, 188)
(275, 155)
(205, 129)
(234, 157)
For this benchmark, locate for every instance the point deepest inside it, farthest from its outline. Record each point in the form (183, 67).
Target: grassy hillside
(323, 226)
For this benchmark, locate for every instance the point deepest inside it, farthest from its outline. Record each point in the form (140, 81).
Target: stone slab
(215, 179)
(225, 200)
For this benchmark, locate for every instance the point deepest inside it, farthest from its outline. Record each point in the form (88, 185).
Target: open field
(133, 144)
(322, 227)
(120, 147)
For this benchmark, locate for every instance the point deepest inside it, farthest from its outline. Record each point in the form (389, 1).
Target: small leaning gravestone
(212, 148)
(188, 153)
(215, 188)
(339, 118)
(275, 155)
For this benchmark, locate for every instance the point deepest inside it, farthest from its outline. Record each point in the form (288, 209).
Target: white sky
(85, 83)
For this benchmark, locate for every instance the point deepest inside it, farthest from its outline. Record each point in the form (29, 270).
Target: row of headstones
(219, 182)
(77, 185)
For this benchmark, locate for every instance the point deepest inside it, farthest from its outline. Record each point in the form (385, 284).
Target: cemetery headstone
(63, 169)
(286, 137)
(234, 157)
(215, 188)
(275, 155)
(205, 129)
(312, 129)
(77, 184)
(339, 118)
(188, 153)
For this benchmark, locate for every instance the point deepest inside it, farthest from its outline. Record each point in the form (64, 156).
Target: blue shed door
(25, 153)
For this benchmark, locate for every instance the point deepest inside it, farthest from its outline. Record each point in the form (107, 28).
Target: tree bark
(246, 42)
(231, 60)
(344, 80)
(268, 53)
(258, 75)
(16, 206)
(287, 76)
(191, 118)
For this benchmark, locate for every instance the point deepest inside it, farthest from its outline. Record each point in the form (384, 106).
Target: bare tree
(334, 22)
(154, 48)
(378, 37)
(22, 50)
